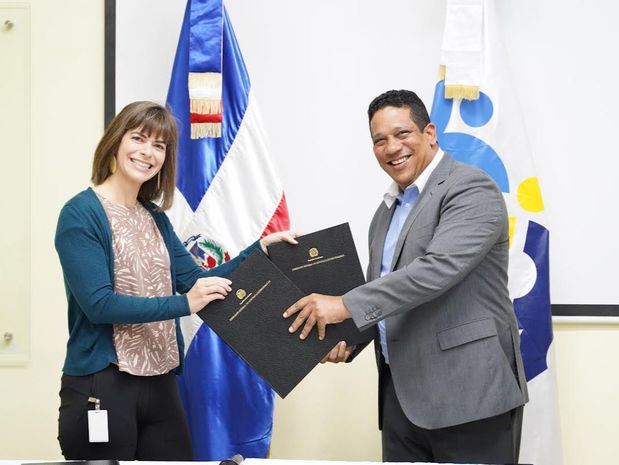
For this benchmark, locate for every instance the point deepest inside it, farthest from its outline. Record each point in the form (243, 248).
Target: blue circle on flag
(476, 113)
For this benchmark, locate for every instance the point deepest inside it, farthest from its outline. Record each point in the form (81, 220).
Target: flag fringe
(462, 92)
(204, 106)
(203, 130)
(457, 91)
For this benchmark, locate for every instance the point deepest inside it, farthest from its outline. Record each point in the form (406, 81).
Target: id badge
(97, 423)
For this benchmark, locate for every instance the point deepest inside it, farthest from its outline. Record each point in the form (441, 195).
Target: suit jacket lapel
(378, 241)
(438, 176)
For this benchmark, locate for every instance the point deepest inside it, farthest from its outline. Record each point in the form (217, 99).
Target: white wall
(66, 123)
(588, 385)
(566, 70)
(329, 59)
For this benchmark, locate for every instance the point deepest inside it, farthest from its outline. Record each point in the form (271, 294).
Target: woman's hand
(281, 236)
(205, 290)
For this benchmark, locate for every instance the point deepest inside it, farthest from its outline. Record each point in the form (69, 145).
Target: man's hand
(317, 309)
(339, 353)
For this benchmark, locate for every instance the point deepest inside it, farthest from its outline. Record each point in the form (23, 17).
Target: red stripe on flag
(280, 220)
(198, 118)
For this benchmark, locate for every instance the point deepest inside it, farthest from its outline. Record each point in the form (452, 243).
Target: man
(451, 378)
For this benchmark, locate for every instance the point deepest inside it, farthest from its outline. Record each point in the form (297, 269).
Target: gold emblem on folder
(313, 252)
(241, 294)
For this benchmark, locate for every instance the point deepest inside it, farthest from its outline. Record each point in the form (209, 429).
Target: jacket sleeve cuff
(363, 314)
(251, 248)
(179, 306)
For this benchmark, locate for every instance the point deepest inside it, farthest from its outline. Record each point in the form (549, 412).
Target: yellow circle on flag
(530, 196)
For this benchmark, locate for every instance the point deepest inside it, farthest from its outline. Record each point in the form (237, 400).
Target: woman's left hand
(281, 236)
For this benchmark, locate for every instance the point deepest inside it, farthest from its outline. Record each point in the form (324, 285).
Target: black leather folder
(324, 262)
(250, 321)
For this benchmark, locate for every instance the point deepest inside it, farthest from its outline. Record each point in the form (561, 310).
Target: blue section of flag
(205, 36)
(533, 309)
(229, 407)
(466, 147)
(199, 159)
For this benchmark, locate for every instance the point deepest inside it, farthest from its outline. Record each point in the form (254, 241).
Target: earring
(113, 165)
(159, 180)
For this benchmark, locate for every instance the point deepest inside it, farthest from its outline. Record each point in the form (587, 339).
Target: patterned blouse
(141, 268)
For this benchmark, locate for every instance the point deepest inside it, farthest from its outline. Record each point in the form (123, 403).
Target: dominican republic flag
(228, 195)
(479, 121)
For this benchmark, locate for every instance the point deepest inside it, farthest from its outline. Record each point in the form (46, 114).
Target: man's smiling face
(402, 149)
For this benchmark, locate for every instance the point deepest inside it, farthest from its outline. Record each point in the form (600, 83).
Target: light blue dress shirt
(405, 201)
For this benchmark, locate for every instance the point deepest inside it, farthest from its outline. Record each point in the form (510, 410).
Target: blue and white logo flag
(228, 195)
(479, 121)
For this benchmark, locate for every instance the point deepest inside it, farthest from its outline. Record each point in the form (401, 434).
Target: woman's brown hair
(152, 119)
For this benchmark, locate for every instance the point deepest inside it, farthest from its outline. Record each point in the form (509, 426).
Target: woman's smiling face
(140, 156)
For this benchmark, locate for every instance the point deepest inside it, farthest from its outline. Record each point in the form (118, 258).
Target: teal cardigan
(84, 245)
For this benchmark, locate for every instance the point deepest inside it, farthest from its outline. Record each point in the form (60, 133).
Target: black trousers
(491, 440)
(146, 420)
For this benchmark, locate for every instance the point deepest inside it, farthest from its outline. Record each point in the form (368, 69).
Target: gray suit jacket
(453, 340)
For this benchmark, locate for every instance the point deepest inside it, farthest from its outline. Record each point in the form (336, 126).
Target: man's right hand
(205, 290)
(339, 353)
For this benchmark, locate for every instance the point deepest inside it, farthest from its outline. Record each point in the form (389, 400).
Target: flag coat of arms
(228, 195)
(479, 122)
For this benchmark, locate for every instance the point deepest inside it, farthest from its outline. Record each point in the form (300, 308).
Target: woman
(128, 279)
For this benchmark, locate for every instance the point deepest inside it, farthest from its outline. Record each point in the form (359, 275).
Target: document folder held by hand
(324, 262)
(250, 321)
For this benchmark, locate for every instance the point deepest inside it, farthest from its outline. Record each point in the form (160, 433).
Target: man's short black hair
(399, 99)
